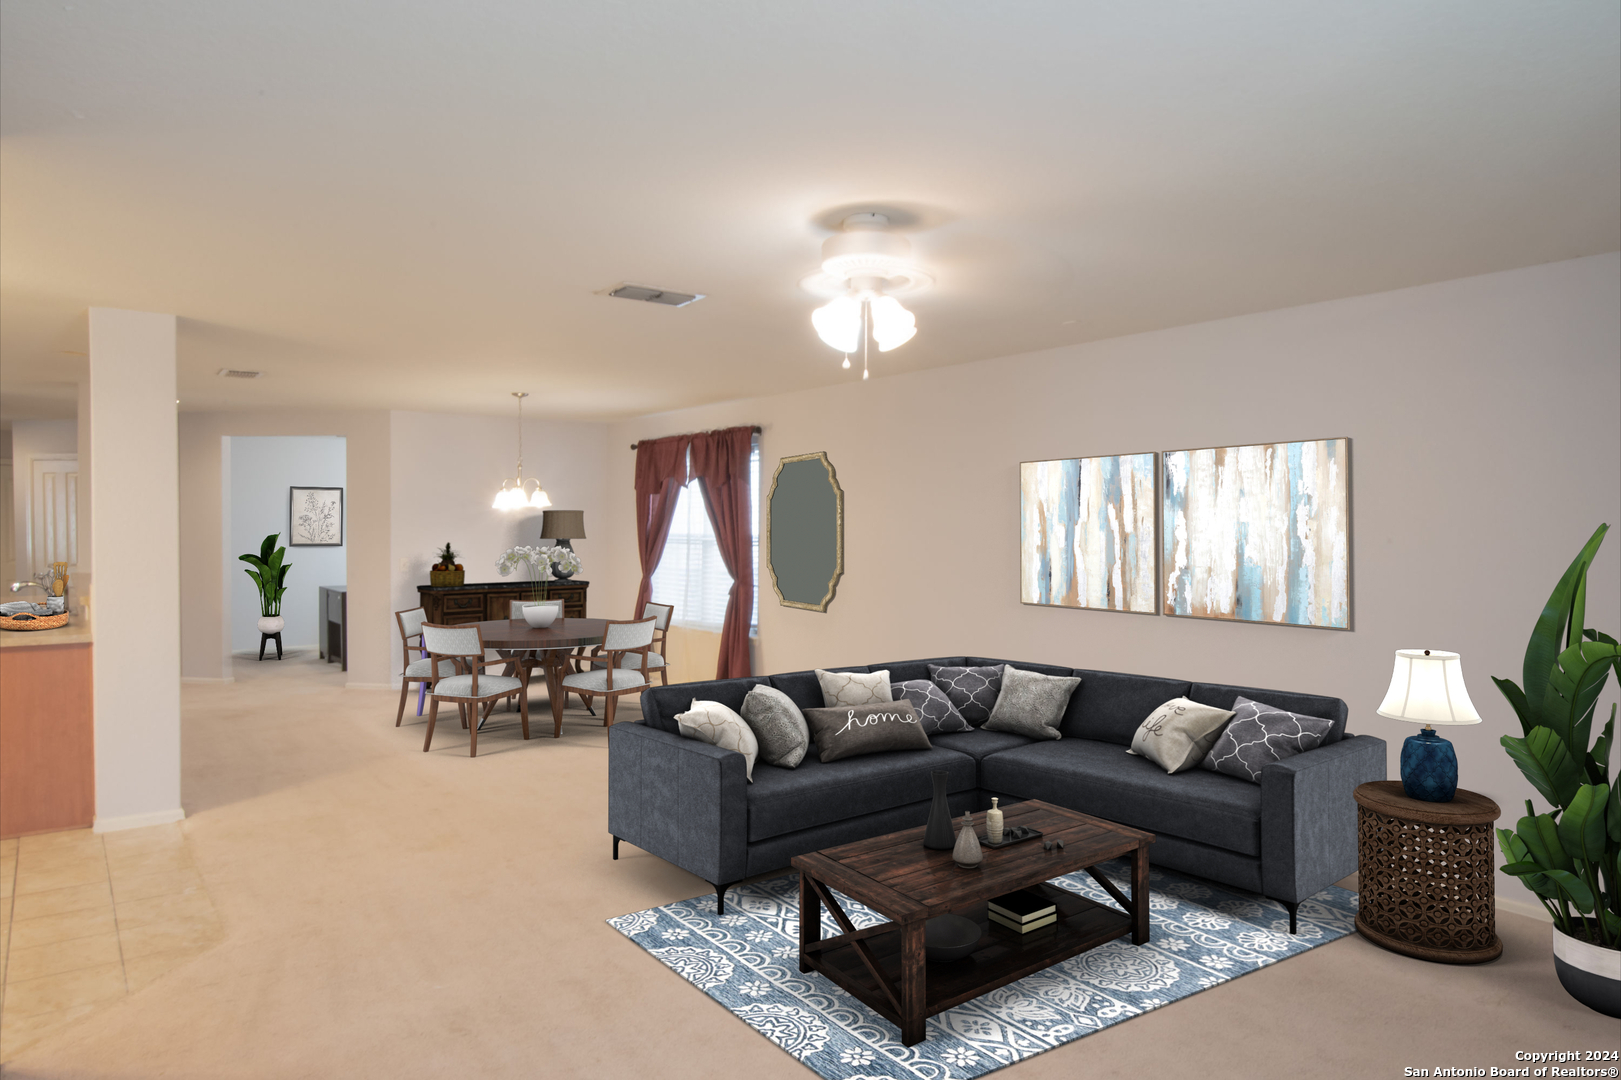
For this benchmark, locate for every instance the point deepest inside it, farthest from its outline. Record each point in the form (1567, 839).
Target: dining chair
(620, 639)
(418, 671)
(463, 647)
(662, 614)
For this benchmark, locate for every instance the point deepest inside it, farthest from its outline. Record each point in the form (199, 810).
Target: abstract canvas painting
(1259, 533)
(1086, 533)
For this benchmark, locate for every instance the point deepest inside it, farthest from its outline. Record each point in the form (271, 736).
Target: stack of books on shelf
(1022, 911)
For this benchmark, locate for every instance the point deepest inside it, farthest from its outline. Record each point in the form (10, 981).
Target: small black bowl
(949, 937)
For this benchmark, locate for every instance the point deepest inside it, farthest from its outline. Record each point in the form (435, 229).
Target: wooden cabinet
(47, 760)
(452, 605)
(332, 625)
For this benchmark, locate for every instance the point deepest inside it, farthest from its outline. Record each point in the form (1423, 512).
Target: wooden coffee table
(884, 965)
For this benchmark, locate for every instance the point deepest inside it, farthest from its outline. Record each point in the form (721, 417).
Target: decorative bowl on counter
(22, 620)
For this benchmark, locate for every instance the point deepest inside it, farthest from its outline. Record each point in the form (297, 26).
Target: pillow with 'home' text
(853, 730)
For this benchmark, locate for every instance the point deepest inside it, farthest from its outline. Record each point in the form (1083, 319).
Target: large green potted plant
(269, 576)
(1570, 857)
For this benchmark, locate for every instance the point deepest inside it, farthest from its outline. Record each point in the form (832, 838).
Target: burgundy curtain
(661, 473)
(720, 461)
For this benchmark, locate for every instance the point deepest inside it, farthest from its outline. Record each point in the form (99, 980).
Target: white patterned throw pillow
(715, 724)
(854, 688)
(1177, 735)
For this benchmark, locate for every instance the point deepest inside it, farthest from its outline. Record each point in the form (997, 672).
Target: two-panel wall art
(1258, 533)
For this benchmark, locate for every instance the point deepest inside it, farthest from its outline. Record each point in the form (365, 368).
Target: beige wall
(136, 611)
(446, 469)
(1486, 447)
(205, 621)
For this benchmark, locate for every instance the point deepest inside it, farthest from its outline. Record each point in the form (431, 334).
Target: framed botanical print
(315, 517)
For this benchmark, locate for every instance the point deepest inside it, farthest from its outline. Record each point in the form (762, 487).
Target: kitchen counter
(76, 632)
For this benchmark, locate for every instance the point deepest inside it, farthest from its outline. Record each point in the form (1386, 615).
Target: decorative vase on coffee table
(967, 853)
(937, 833)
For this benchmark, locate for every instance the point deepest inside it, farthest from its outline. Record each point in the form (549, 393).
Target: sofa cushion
(854, 688)
(1177, 735)
(779, 727)
(847, 731)
(1031, 703)
(939, 715)
(803, 688)
(907, 670)
(1111, 707)
(1259, 735)
(1101, 779)
(978, 743)
(716, 724)
(1327, 708)
(972, 690)
(783, 800)
(660, 704)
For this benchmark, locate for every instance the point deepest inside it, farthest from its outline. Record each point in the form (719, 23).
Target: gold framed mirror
(805, 531)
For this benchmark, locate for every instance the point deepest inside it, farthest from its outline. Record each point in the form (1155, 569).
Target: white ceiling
(413, 204)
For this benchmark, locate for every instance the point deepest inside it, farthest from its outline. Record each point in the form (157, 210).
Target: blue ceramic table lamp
(1427, 688)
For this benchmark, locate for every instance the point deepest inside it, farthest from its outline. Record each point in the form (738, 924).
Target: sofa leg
(1293, 908)
(616, 848)
(720, 897)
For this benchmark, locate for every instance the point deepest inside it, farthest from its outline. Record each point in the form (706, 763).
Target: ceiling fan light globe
(838, 323)
(892, 325)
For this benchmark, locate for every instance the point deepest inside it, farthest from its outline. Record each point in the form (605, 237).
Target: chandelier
(864, 268)
(514, 494)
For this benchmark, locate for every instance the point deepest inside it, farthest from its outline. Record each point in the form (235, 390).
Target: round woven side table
(1425, 873)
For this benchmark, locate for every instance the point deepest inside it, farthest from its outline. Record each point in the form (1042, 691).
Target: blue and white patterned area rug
(1201, 935)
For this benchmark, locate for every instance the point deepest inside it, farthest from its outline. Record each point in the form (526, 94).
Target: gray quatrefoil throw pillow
(972, 689)
(940, 716)
(1258, 735)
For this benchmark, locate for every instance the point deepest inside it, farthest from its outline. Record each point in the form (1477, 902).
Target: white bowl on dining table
(540, 616)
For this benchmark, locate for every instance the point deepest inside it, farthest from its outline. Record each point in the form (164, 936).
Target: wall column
(135, 529)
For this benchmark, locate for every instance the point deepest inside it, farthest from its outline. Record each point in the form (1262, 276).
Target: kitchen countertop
(76, 632)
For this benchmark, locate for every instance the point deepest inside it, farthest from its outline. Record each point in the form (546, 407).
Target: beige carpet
(389, 913)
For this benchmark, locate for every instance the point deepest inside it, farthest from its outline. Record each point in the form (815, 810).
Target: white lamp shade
(540, 500)
(838, 323)
(1426, 687)
(892, 325)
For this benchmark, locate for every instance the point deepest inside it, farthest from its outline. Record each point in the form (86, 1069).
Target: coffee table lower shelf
(1002, 956)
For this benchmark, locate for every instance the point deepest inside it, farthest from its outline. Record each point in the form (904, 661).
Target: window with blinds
(691, 574)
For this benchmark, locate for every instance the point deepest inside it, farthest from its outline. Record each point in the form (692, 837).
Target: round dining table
(551, 645)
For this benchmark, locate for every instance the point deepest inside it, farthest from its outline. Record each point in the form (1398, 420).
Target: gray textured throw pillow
(778, 726)
(939, 715)
(852, 730)
(1177, 735)
(1030, 703)
(972, 689)
(1258, 735)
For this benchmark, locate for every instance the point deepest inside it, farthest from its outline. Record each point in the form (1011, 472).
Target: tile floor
(86, 919)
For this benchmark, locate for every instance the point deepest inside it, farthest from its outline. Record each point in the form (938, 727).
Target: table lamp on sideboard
(1427, 688)
(563, 526)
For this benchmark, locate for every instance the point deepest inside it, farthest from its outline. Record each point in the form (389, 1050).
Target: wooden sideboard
(332, 623)
(450, 605)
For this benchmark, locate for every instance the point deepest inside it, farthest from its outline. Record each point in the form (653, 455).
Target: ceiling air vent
(233, 373)
(655, 296)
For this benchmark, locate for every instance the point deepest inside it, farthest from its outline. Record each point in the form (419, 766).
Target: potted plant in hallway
(269, 576)
(1570, 857)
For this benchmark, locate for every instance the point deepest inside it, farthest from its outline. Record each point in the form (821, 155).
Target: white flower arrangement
(533, 559)
(564, 559)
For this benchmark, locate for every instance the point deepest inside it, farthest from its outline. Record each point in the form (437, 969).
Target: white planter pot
(1589, 973)
(271, 624)
(540, 616)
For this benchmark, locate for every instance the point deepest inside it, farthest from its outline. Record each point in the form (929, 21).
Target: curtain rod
(755, 429)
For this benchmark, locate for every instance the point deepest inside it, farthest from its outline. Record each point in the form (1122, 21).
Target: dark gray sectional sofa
(1287, 837)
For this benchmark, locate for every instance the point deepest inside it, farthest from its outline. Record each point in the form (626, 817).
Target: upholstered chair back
(411, 622)
(661, 614)
(629, 635)
(519, 605)
(452, 640)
